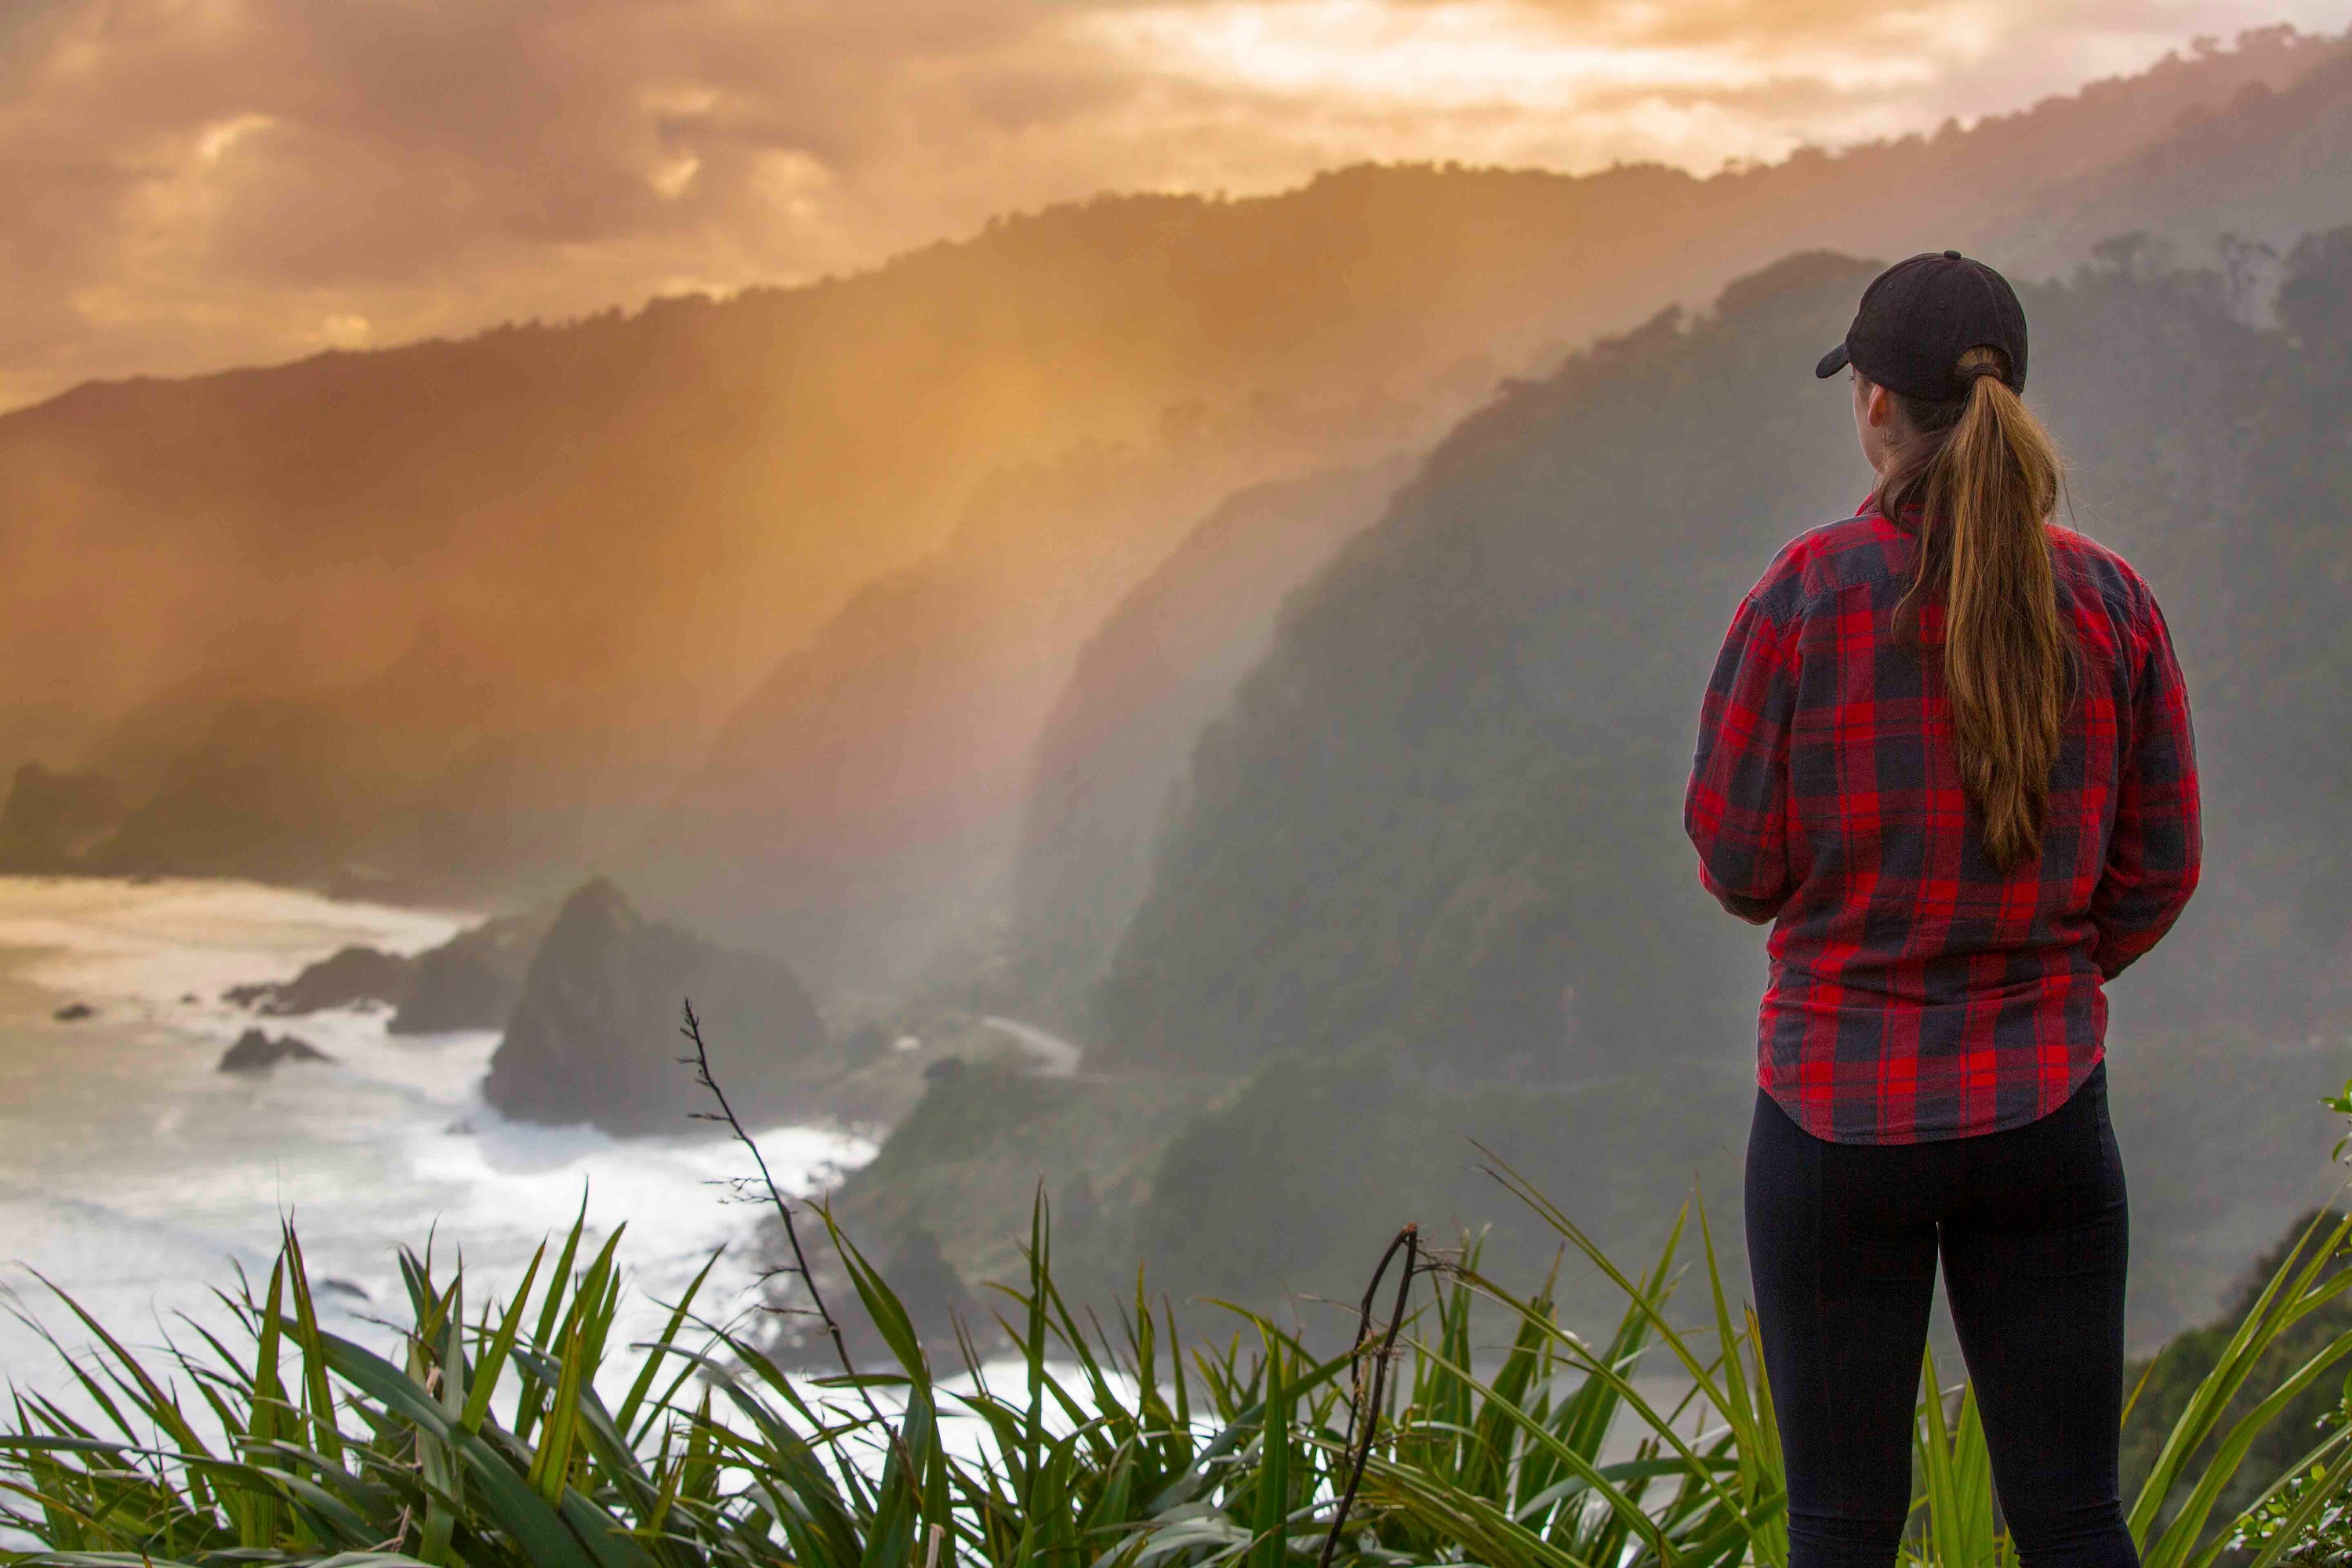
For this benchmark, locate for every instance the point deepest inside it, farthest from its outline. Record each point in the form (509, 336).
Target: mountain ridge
(619, 531)
(804, 914)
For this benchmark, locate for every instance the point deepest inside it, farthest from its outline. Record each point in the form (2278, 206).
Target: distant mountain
(617, 528)
(859, 809)
(865, 809)
(863, 806)
(1162, 667)
(436, 770)
(2267, 167)
(856, 813)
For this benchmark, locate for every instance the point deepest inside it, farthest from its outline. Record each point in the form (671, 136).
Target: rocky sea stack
(352, 976)
(470, 981)
(258, 1052)
(594, 1037)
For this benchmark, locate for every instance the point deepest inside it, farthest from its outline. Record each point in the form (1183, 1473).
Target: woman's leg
(2034, 1254)
(1842, 1247)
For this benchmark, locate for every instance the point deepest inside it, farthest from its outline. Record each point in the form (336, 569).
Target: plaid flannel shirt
(1917, 992)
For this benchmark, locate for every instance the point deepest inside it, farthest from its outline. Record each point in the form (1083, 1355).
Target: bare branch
(700, 1062)
(1364, 1414)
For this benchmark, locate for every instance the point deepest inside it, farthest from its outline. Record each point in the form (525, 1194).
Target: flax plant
(480, 1437)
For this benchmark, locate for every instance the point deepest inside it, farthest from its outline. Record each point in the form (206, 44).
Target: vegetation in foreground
(486, 1440)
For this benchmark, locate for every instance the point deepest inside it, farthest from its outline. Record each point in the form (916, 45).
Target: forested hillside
(1468, 741)
(1113, 751)
(466, 612)
(1444, 816)
(817, 849)
(1437, 843)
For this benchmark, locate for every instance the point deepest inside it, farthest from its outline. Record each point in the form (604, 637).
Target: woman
(1945, 752)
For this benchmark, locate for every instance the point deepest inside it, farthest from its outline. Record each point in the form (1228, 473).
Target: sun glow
(1461, 54)
(195, 183)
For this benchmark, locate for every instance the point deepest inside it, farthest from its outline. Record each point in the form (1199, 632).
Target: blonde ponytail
(1986, 479)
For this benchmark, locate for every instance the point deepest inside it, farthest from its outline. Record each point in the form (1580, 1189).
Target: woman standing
(1945, 752)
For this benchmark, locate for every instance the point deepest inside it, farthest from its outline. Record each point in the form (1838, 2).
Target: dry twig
(1364, 1414)
(700, 1062)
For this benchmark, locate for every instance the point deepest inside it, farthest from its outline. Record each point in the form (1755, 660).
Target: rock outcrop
(352, 976)
(594, 1037)
(470, 981)
(473, 980)
(258, 1052)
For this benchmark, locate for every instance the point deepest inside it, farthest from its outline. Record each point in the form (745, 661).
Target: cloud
(186, 183)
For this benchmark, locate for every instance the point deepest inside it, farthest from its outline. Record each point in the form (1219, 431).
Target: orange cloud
(185, 184)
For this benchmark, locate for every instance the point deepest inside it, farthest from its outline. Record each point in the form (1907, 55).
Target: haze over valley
(1175, 702)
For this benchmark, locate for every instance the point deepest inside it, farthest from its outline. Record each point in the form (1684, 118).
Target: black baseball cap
(1918, 317)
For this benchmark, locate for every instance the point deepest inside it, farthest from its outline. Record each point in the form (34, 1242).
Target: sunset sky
(192, 184)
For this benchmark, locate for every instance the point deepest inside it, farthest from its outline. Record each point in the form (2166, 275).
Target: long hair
(1984, 475)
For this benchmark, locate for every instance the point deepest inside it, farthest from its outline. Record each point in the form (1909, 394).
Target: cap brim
(1831, 362)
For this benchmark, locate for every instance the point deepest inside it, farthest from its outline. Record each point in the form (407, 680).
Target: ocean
(139, 1178)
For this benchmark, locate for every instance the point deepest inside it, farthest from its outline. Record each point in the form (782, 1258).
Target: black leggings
(1843, 1241)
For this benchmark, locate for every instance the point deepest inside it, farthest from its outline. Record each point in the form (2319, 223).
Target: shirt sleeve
(2158, 845)
(1736, 808)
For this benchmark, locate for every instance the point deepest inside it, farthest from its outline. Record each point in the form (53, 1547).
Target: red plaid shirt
(1917, 991)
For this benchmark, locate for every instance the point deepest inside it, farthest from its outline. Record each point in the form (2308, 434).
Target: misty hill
(52, 820)
(232, 594)
(2266, 166)
(1162, 665)
(862, 809)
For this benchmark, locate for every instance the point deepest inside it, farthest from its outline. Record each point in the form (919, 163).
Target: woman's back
(1947, 751)
(1919, 990)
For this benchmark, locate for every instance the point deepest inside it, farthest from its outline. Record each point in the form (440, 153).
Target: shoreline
(140, 1177)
